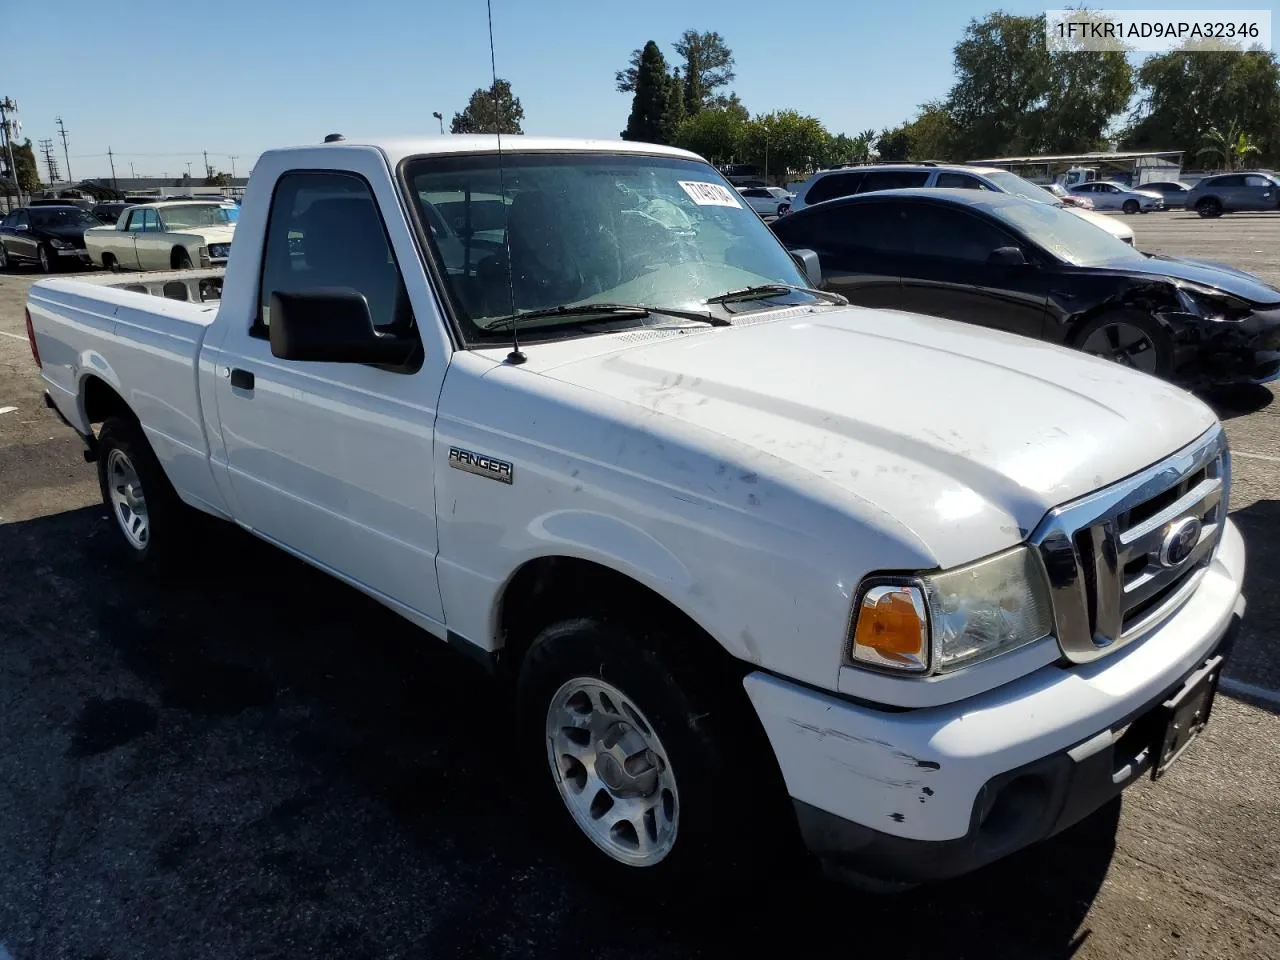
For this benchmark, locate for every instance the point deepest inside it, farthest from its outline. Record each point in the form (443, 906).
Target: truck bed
(140, 335)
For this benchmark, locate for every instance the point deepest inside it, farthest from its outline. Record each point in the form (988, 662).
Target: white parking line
(1267, 696)
(1254, 456)
(13, 336)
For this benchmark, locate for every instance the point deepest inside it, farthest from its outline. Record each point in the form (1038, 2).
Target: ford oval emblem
(1178, 543)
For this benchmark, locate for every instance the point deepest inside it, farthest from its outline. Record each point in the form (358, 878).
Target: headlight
(947, 620)
(1211, 304)
(219, 250)
(58, 244)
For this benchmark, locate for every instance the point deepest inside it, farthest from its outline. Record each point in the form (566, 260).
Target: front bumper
(931, 793)
(1227, 352)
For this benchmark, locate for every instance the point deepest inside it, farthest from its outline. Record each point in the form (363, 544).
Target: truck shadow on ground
(337, 783)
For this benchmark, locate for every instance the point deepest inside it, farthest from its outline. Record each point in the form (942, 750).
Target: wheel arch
(181, 248)
(100, 393)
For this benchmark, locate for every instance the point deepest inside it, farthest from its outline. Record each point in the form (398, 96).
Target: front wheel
(1130, 339)
(46, 261)
(181, 260)
(4, 258)
(657, 761)
(147, 512)
(1130, 207)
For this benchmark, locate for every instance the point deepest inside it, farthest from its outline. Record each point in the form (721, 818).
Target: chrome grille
(1111, 576)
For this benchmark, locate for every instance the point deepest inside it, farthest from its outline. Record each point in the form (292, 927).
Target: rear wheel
(1130, 339)
(1130, 207)
(110, 263)
(146, 512)
(4, 258)
(1209, 207)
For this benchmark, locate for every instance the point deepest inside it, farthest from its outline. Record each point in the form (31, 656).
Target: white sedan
(1109, 195)
(165, 236)
(766, 200)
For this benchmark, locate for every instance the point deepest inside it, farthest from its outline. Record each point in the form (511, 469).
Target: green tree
(894, 145)
(657, 108)
(1184, 93)
(492, 110)
(708, 66)
(1232, 147)
(715, 133)
(1012, 95)
(932, 134)
(784, 141)
(24, 159)
(218, 179)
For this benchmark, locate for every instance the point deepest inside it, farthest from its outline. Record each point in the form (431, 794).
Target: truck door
(334, 460)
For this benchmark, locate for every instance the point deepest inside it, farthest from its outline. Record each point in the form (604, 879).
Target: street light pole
(440, 117)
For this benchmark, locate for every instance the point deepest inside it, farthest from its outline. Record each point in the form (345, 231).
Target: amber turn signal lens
(892, 628)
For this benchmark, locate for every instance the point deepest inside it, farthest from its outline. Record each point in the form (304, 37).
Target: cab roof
(398, 149)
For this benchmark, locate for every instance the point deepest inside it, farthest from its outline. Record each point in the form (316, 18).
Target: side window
(756, 193)
(892, 180)
(834, 185)
(1254, 180)
(1221, 182)
(21, 219)
(325, 230)
(869, 227)
(953, 234)
(151, 221)
(961, 181)
(135, 220)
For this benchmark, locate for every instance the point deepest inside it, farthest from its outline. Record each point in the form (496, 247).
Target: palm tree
(1231, 148)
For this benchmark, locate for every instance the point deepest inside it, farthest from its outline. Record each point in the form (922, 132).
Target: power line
(62, 131)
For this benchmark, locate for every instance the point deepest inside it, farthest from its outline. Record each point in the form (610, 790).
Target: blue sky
(165, 82)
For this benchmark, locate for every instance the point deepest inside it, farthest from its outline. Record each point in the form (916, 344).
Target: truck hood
(963, 435)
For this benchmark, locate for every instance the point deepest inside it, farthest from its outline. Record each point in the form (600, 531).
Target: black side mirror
(331, 325)
(1008, 257)
(810, 266)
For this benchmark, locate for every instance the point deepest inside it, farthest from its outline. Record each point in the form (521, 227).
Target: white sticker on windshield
(709, 194)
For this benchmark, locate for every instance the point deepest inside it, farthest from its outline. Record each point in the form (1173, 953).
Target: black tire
(167, 518)
(6, 263)
(732, 822)
(181, 259)
(1209, 207)
(1161, 343)
(110, 263)
(47, 261)
(1131, 207)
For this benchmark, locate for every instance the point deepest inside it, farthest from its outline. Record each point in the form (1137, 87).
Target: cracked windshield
(654, 232)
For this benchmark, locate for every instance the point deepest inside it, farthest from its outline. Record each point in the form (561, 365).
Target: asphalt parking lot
(255, 761)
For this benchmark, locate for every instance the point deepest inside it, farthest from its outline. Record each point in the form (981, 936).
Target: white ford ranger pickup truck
(760, 565)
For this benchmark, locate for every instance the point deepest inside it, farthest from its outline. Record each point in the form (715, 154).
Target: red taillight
(31, 339)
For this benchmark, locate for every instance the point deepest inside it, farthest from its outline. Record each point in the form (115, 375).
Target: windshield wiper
(763, 290)
(621, 310)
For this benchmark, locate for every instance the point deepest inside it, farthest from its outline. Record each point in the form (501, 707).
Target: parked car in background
(827, 184)
(109, 211)
(1227, 193)
(165, 236)
(83, 204)
(48, 235)
(1109, 195)
(1034, 269)
(1174, 192)
(1066, 197)
(766, 200)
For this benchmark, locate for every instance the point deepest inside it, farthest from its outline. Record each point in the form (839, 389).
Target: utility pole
(50, 161)
(112, 160)
(62, 130)
(440, 117)
(188, 171)
(207, 171)
(233, 157)
(7, 106)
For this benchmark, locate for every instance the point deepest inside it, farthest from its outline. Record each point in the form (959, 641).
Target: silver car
(1109, 195)
(1214, 196)
(765, 200)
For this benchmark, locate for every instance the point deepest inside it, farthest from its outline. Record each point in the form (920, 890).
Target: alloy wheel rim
(612, 772)
(44, 259)
(127, 501)
(1125, 344)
